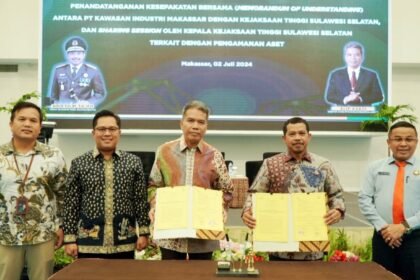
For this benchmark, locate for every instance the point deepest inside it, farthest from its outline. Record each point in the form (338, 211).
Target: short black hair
(105, 113)
(401, 124)
(295, 120)
(23, 105)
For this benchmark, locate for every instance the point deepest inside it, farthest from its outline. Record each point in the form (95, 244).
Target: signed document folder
(188, 211)
(290, 222)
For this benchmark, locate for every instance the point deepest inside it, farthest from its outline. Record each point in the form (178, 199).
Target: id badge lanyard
(22, 203)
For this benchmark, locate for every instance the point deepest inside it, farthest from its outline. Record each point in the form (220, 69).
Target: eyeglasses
(406, 140)
(102, 130)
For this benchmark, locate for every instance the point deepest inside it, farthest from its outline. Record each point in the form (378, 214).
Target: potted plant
(61, 259)
(27, 96)
(387, 115)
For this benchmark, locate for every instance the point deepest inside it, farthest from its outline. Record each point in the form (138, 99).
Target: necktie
(353, 81)
(73, 72)
(398, 203)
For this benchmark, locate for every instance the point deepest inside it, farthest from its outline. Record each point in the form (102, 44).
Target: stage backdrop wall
(349, 155)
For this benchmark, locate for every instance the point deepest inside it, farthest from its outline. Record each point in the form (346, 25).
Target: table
(95, 269)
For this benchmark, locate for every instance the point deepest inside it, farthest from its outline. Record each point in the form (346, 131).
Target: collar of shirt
(306, 156)
(411, 161)
(77, 67)
(350, 72)
(183, 145)
(37, 148)
(96, 152)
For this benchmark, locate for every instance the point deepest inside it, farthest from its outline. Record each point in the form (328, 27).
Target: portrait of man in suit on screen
(353, 84)
(76, 81)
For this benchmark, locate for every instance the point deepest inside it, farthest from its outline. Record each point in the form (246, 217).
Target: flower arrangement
(260, 257)
(341, 241)
(151, 253)
(233, 251)
(343, 256)
(230, 251)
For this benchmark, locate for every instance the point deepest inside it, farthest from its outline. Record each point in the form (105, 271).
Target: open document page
(284, 220)
(308, 216)
(188, 211)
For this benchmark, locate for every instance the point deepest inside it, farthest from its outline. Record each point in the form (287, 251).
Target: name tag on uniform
(383, 173)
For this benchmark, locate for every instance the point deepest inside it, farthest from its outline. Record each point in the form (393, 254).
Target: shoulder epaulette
(91, 66)
(62, 65)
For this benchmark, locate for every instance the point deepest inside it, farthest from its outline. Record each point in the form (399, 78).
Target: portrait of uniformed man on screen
(77, 82)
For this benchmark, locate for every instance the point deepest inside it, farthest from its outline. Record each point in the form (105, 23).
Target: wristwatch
(406, 226)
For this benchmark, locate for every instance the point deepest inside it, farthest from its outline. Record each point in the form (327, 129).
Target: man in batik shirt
(106, 198)
(297, 171)
(190, 161)
(32, 177)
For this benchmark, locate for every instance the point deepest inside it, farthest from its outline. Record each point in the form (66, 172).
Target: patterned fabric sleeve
(141, 205)
(72, 198)
(333, 188)
(155, 179)
(223, 182)
(60, 185)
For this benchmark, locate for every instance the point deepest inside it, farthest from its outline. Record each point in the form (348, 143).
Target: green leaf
(25, 97)
(387, 115)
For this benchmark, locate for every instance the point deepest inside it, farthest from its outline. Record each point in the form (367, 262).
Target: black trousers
(174, 255)
(115, 256)
(403, 261)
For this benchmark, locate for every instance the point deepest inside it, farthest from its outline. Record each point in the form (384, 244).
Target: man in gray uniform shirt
(390, 201)
(77, 81)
